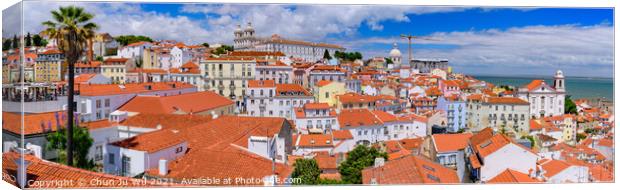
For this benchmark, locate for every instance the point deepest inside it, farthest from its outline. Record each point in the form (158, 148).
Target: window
(179, 150)
(111, 158)
(107, 103)
(126, 166)
(98, 103)
(98, 153)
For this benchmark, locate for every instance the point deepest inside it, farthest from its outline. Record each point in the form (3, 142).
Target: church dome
(238, 29)
(395, 52)
(249, 27)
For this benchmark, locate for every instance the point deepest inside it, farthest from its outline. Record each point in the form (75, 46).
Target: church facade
(545, 100)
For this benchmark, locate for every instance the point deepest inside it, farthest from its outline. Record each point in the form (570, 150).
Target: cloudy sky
(476, 40)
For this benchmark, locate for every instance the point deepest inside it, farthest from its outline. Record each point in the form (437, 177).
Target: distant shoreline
(537, 77)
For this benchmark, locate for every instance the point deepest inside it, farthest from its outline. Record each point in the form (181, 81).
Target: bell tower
(558, 82)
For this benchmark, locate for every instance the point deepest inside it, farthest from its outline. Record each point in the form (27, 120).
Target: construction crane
(411, 37)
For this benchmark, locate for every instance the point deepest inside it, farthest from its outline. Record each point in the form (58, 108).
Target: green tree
(224, 49)
(129, 39)
(15, 42)
(358, 159)
(388, 61)
(348, 56)
(28, 40)
(72, 29)
(569, 106)
(58, 141)
(37, 40)
(6, 44)
(99, 58)
(205, 44)
(326, 55)
(307, 170)
(581, 136)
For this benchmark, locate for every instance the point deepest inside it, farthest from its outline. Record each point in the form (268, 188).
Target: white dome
(249, 27)
(395, 52)
(559, 74)
(238, 29)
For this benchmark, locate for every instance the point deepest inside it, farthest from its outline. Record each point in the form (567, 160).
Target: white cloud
(308, 22)
(581, 50)
(123, 18)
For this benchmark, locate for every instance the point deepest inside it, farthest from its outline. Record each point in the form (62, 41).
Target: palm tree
(72, 29)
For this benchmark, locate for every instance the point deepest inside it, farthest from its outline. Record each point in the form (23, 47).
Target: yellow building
(150, 58)
(49, 66)
(326, 91)
(115, 69)
(228, 76)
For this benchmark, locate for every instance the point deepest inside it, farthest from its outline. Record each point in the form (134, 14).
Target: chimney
(22, 165)
(163, 167)
(380, 161)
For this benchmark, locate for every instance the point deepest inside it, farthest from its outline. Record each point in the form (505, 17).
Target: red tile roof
(410, 170)
(355, 98)
(451, 142)
(326, 162)
(506, 100)
(117, 60)
(357, 117)
(512, 176)
(322, 83)
(165, 121)
(283, 89)
(316, 106)
(313, 140)
(34, 123)
(553, 167)
(218, 149)
(384, 116)
(41, 172)
(534, 84)
(261, 84)
(342, 134)
(83, 78)
(188, 103)
(152, 141)
(52, 51)
(130, 88)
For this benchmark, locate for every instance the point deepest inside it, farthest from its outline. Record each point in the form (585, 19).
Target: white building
(315, 118)
(246, 40)
(545, 100)
(278, 72)
(133, 156)
(228, 76)
(326, 72)
(369, 127)
(97, 101)
(492, 155)
(267, 99)
(559, 171)
(500, 113)
(134, 50)
(180, 55)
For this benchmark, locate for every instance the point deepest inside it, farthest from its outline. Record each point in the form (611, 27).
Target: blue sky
(480, 41)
